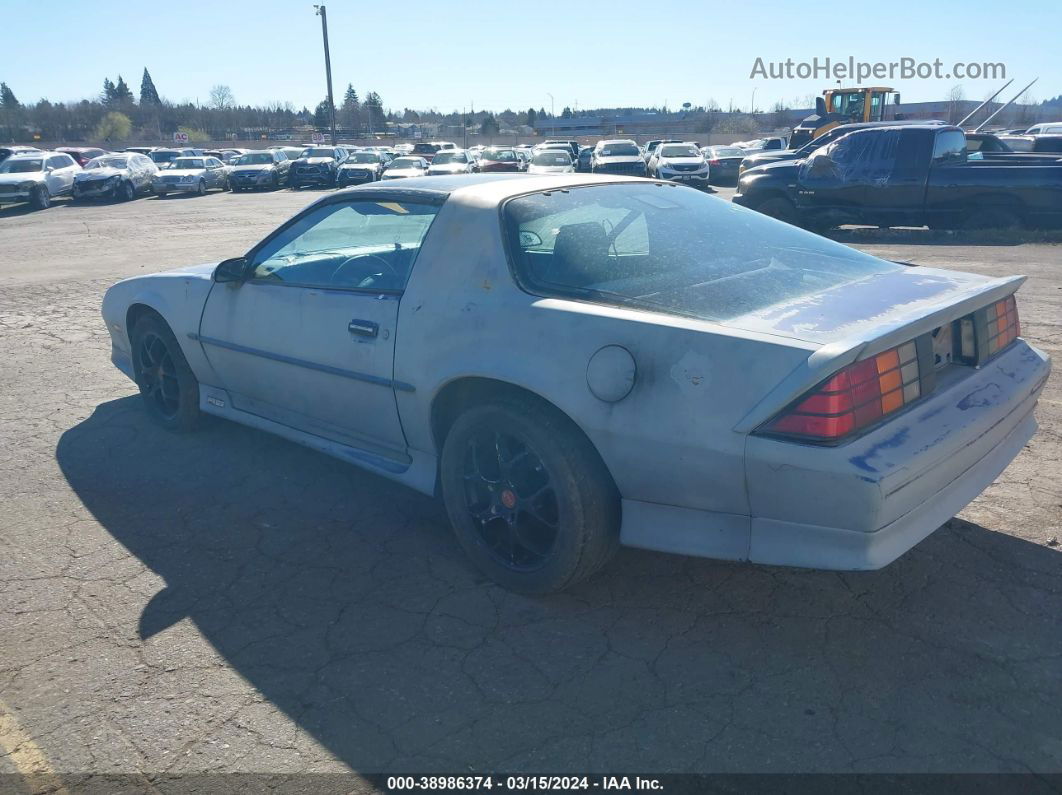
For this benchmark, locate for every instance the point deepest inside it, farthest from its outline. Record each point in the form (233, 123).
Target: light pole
(323, 14)
(552, 115)
(752, 107)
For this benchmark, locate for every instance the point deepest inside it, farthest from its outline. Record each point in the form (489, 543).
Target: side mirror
(231, 270)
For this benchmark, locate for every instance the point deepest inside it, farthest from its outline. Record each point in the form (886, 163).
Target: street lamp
(752, 107)
(323, 14)
(552, 115)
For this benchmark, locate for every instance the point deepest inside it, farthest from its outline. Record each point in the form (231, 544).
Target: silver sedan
(191, 175)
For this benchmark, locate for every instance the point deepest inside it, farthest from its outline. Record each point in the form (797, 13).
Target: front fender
(178, 298)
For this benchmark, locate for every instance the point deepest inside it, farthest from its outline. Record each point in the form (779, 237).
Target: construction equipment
(844, 106)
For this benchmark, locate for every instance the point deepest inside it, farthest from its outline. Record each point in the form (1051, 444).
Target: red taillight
(855, 397)
(1003, 324)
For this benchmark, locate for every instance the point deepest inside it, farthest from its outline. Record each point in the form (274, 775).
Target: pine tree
(350, 112)
(121, 91)
(531, 117)
(8, 100)
(148, 94)
(107, 97)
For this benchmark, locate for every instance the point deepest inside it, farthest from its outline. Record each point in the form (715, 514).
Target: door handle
(363, 328)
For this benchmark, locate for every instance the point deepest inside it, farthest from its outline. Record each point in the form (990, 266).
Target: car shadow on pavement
(343, 599)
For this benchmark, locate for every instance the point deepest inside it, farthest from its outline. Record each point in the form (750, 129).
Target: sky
(490, 55)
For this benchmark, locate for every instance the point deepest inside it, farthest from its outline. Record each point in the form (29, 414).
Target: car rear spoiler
(894, 330)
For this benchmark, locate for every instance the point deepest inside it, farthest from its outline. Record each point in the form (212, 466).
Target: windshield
(425, 149)
(726, 151)
(619, 150)
(670, 250)
(449, 157)
(20, 166)
(499, 155)
(162, 157)
(681, 150)
(254, 159)
(364, 157)
(188, 162)
(108, 162)
(311, 152)
(552, 159)
(406, 162)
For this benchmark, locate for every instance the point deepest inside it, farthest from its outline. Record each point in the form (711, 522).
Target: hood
(403, 172)
(204, 270)
(781, 169)
(29, 176)
(366, 166)
(762, 158)
(181, 172)
(251, 168)
(100, 173)
(549, 169)
(681, 161)
(448, 168)
(316, 161)
(607, 159)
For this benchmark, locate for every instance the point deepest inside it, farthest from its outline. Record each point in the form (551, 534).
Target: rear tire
(167, 385)
(999, 218)
(780, 209)
(530, 500)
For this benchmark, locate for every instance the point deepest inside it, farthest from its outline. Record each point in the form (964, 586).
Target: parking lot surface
(227, 601)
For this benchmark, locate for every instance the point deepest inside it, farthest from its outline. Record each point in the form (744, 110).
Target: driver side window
(367, 245)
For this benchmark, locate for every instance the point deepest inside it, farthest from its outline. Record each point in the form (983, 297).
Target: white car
(36, 177)
(121, 176)
(679, 163)
(577, 362)
(551, 161)
(450, 162)
(404, 167)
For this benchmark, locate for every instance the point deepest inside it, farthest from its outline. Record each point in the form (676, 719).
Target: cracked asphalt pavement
(227, 601)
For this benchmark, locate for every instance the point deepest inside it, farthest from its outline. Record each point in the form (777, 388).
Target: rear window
(670, 250)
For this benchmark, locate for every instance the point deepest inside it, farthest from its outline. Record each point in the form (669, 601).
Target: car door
(307, 340)
(831, 179)
(60, 174)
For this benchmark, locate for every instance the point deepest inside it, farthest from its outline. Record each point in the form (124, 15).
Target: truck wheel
(993, 218)
(530, 500)
(778, 208)
(167, 385)
(41, 198)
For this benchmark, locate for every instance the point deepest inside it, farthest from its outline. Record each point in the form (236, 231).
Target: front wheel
(167, 385)
(126, 192)
(530, 500)
(200, 189)
(41, 198)
(780, 209)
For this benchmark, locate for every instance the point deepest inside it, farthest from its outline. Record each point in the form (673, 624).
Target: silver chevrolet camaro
(575, 362)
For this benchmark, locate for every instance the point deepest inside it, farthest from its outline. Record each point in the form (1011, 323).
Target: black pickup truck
(913, 175)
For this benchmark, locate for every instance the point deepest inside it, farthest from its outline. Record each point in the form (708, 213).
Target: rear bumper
(862, 504)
